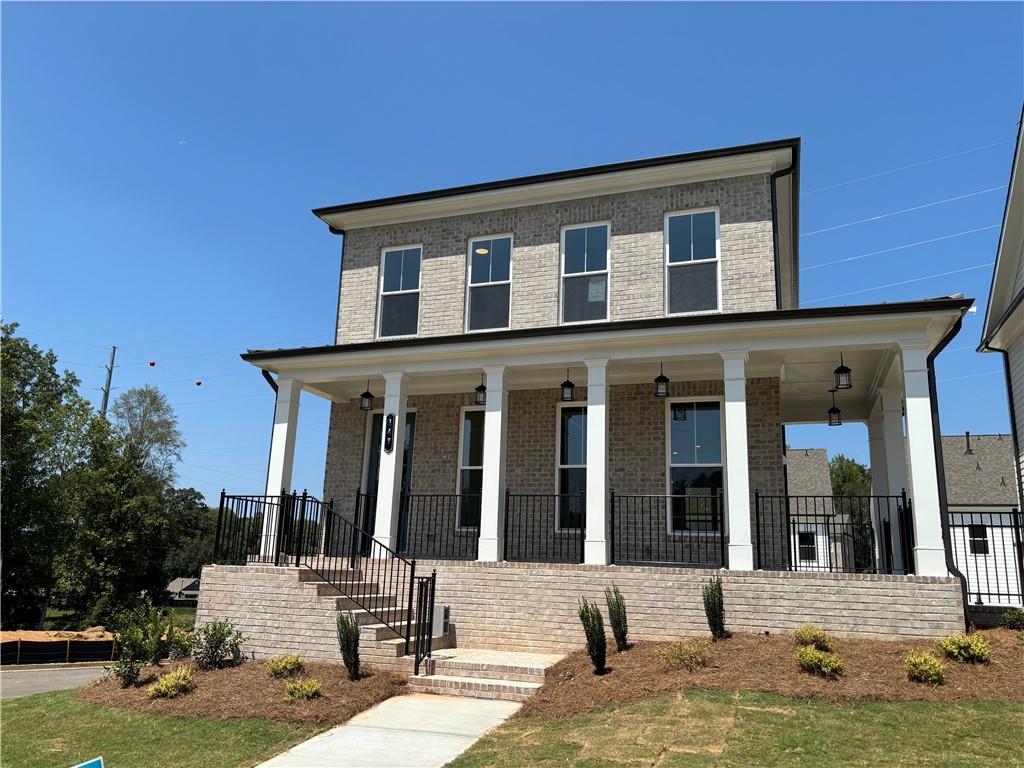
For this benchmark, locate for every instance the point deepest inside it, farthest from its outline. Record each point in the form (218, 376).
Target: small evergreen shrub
(593, 628)
(180, 643)
(126, 671)
(172, 684)
(617, 617)
(966, 649)
(813, 636)
(924, 668)
(140, 635)
(714, 607)
(821, 663)
(284, 666)
(688, 654)
(348, 642)
(1013, 618)
(135, 647)
(309, 688)
(217, 644)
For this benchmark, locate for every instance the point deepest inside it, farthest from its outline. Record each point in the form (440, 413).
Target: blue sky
(160, 161)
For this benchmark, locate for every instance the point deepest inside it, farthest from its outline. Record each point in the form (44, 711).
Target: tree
(194, 531)
(147, 422)
(849, 477)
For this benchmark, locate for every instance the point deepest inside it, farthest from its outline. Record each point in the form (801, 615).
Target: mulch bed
(874, 670)
(246, 691)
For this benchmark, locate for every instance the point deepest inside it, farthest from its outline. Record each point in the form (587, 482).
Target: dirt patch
(247, 691)
(93, 633)
(874, 670)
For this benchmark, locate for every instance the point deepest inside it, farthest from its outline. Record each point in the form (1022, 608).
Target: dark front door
(373, 461)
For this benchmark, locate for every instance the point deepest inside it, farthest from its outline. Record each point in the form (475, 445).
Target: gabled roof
(807, 472)
(183, 584)
(985, 475)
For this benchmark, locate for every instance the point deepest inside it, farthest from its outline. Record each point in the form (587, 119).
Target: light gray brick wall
(637, 281)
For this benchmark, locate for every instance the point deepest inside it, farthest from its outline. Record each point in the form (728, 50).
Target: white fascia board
(1010, 251)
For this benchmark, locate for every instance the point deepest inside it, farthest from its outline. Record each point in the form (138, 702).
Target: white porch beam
(492, 500)
(392, 457)
(737, 471)
(282, 454)
(596, 549)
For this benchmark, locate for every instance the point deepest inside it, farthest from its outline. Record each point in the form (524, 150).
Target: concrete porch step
(474, 687)
(513, 666)
(394, 648)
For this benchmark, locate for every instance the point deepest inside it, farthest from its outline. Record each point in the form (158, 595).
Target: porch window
(691, 262)
(977, 538)
(572, 466)
(490, 286)
(585, 258)
(400, 291)
(807, 546)
(471, 467)
(695, 465)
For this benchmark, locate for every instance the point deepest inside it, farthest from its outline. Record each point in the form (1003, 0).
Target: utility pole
(106, 388)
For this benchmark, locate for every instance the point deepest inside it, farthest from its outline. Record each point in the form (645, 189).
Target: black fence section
(674, 530)
(269, 529)
(426, 589)
(545, 528)
(439, 526)
(833, 533)
(56, 651)
(987, 551)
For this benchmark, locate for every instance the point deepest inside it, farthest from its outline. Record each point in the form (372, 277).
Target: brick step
(379, 615)
(327, 589)
(377, 632)
(344, 574)
(358, 601)
(394, 648)
(473, 687)
(455, 668)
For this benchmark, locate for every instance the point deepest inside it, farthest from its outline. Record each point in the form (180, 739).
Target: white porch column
(895, 451)
(492, 500)
(596, 550)
(929, 551)
(282, 454)
(392, 456)
(879, 473)
(737, 469)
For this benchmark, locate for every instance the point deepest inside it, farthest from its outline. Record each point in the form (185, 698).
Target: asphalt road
(23, 682)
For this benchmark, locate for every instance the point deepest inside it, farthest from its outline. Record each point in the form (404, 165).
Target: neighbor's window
(978, 539)
(400, 291)
(807, 546)
(695, 465)
(585, 273)
(490, 283)
(572, 466)
(471, 467)
(691, 262)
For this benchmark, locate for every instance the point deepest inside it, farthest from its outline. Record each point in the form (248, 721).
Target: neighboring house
(184, 589)
(546, 385)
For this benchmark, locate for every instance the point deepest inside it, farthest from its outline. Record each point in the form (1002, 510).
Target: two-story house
(549, 384)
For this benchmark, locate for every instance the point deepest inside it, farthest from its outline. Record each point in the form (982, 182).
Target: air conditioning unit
(439, 626)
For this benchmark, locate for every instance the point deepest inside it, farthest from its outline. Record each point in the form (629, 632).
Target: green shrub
(593, 628)
(284, 666)
(689, 654)
(714, 607)
(348, 642)
(141, 633)
(1013, 619)
(818, 662)
(173, 683)
(967, 649)
(309, 688)
(180, 643)
(617, 617)
(924, 668)
(217, 644)
(814, 636)
(126, 671)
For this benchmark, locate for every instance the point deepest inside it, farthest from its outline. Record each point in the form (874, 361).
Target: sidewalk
(411, 731)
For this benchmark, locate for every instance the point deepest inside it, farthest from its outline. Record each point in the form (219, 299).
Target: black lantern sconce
(835, 416)
(568, 389)
(661, 383)
(480, 393)
(844, 376)
(366, 399)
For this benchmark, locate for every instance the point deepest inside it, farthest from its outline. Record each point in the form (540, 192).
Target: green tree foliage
(849, 477)
(194, 529)
(147, 424)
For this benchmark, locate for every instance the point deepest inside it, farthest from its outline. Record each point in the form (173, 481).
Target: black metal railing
(843, 534)
(268, 529)
(426, 589)
(545, 528)
(674, 530)
(987, 551)
(436, 526)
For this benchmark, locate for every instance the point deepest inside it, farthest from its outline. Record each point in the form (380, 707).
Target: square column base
(491, 550)
(929, 561)
(596, 552)
(741, 557)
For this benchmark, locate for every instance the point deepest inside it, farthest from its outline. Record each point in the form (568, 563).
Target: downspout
(775, 232)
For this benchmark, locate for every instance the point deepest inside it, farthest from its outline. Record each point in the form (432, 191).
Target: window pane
(586, 298)
(480, 271)
(469, 501)
(398, 314)
(808, 545)
(392, 270)
(704, 236)
(473, 439)
(679, 234)
(696, 513)
(683, 434)
(696, 481)
(572, 484)
(488, 306)
(575, 250)
(411, 269)
(693, 288)
(709, 433)
(501, 257)
(597, 248)
(574, 436)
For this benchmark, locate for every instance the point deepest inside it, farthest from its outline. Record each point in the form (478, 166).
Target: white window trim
(559, 466)
(717, 259)
(458, 474)
(669, 465)
(381, 294)
(470, 286)
(607, 272)
(367, 434)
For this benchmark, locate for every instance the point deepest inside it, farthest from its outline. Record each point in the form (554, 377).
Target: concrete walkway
(16, 682)
(412, 731)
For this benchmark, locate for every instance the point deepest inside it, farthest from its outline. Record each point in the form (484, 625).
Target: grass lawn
(184, 618)
(702, 729)
(54, 729)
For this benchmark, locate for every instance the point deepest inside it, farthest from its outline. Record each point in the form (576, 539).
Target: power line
(901, 282)
(899, 247)
(970, 376)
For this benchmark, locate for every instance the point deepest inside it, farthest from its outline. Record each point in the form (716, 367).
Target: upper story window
(490, 283)
(400, 291)
(691, 262)
(585, 258)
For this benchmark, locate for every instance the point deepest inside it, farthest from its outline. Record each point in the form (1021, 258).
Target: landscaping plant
(924, 668)
(173, 683)
(1013, 619)
(967, 649)
(814, 636)
(818, 662)
(180, 643)
(284, 666)
(689, 654)
(714, 607)
(218, 644)
(617, 617)
(593, 628)
(135, 648)
(348, 642)
(303, 689)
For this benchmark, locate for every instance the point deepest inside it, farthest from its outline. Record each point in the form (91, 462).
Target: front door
(373, 463)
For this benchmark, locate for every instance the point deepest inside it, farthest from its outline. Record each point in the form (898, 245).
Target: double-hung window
(490, 283)
(471, 467)
(691, 262)
(400, 291)
(585, 255)
(695, 465)
(572, 466)
(977, 537)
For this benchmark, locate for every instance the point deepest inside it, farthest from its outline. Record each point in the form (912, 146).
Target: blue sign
(96, 762)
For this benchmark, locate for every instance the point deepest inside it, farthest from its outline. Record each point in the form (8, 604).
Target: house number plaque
(389, 433)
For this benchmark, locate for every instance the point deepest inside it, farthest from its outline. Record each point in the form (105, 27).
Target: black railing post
(757, 525)
(408, 615)
(300, 544)
(278, 532)
(611, 524)
(719, 525)
(220, 526)
(504, 541)
(789, 534)
(583, 525)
